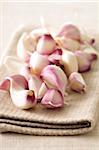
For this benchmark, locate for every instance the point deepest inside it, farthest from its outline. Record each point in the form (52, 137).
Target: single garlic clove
(68, 43)
(42, 90)
(76, 82)
(26, 72)
(23, 99)
(52, 99)
(18, 81)
(46, 44)
(38, 62)
(54, 77)
(70, 31)
(93, 54)
(35, 84)
(87, 39)
(55, 57)
(69, 62)
(26, 45)
(84, 63)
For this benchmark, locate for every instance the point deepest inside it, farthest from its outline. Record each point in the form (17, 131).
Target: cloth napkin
(78, 117)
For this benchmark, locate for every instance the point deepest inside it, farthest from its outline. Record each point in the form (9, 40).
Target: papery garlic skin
(68, 43)
(46, 44)
(76, 82)
(54, 77)
(70, 31)
(69, 62)
(38, 62)
(26, 45)
(84, 61)
(52, 99)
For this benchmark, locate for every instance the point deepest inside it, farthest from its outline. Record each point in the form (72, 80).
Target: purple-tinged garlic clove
(54, 77)
(67, 43)
(77, 83)
(69, 62)
(26, 45)
(42, 90)
(46, 44)
(84, 61)
(70, 31)
(55, 57)
(18, 80)
(52, 99)
(38, 62)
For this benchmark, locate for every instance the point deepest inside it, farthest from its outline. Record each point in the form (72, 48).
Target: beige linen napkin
(78, 117)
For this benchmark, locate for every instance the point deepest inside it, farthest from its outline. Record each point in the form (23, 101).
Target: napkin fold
(78, 117)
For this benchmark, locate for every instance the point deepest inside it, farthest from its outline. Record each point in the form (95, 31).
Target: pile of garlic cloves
(51, 65)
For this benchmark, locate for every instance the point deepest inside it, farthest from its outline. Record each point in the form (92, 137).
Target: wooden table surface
(12, 14)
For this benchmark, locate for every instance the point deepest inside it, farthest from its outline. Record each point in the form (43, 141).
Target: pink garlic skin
(84, 61)
(46, 45)
(55, 57)
(52, 99)
(54, 77)
(38, 86)
(18, 80)
(76, 82)
(70, 31)
(38, 62)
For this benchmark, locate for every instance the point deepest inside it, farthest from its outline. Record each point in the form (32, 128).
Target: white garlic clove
(38, 62)
(76, 82)
(69, 62)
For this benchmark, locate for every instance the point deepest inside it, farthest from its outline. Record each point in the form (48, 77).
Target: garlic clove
(46, 44)
(26, 72)
(35, 84)
(93, 54)
(87, 39)
(18, 81)
(54, 77)
(70, 31)
(42, 90)
(38, 62)
(55, 57)
(76, 82)
(52, 99)
(26, 45)
(69, 62)
(84, 63)
(68, 43)
(23, 99)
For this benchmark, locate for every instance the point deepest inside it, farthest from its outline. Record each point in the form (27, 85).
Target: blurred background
(13, 14)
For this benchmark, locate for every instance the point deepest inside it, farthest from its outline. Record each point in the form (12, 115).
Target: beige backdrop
(11, 16)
